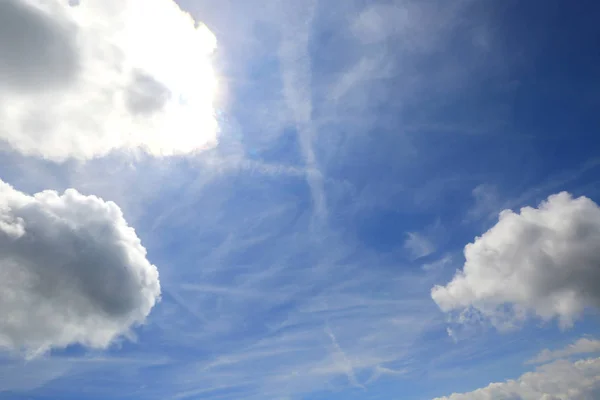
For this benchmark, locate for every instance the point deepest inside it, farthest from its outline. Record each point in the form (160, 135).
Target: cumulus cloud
(560, 380)
(79, 80)
(582, 346)
(71, 272)
(542, 261)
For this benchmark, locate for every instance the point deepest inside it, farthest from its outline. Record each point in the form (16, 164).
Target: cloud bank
(71, 272)
(541, 260)
(80, 81)
(582, 346)
(560, 380)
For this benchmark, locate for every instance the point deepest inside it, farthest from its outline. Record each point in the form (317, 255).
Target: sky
(299, 200)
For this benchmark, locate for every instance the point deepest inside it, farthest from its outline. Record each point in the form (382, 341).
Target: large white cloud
(560, 380)
(543, 261)
(71, 271)
(79, 81)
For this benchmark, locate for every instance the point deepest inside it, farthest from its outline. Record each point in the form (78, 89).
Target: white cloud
(409, 21)
(486, 204)
(416, 26)
(543, 261)
(582, 346)
(438, 264)
(82, 81)
(560, 380)
(71, 271)
(418, 245)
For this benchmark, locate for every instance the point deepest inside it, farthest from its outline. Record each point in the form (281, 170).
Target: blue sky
(361, 146)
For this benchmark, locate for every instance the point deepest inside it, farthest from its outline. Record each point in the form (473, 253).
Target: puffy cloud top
(71, 271)
(79, 81)
(560, 380)
(542, 260)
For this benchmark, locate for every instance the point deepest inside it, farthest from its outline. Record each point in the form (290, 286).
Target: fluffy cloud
(71, 271)
(560, 380)
(543, 261)
(81, 80)
(582, 346)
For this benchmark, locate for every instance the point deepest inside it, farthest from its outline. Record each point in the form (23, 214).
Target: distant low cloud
(71, 272)
(81, 79)
(560, 380)
(542, 261)
(582, 346)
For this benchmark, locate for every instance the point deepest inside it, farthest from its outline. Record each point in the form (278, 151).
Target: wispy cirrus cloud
(418, 245)
(283, 267)
(73, 272)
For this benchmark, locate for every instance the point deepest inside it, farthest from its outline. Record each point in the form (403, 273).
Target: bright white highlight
(105, 75)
